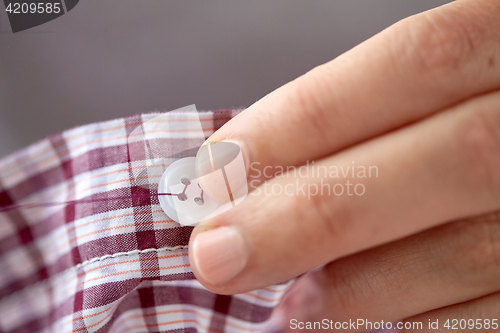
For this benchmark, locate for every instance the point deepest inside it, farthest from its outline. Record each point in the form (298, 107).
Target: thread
(82, 201)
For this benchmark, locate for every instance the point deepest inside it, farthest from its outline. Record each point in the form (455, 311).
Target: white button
(188, 204)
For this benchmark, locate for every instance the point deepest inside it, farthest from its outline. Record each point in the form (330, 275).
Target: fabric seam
(91, 261)
(123, 254)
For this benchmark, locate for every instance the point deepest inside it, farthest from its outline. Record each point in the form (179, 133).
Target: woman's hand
(420, 104)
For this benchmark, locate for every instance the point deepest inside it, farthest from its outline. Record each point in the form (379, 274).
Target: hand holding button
(420, 101)
(204, 189)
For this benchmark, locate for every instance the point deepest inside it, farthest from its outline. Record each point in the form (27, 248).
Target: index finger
(414, 68)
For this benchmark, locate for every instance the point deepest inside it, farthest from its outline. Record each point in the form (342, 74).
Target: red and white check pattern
(105, 266)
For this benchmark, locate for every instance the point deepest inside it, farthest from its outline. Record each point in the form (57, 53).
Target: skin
(420, 100)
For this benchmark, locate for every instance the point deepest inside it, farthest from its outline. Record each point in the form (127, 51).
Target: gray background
(114, 58)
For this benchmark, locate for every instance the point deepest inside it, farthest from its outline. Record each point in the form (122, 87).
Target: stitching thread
(91, 261)
(123, 254)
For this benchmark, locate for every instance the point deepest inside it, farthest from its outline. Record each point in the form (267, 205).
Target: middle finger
(450, 264)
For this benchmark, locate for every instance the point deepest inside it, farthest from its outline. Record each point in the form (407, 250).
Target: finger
(412, 69)
(479, 315)
(437, 170)
(450, 264)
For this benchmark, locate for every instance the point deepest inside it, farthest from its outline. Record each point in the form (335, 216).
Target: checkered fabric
(105, 266)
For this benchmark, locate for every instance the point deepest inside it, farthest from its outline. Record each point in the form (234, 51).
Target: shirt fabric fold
(115, 262)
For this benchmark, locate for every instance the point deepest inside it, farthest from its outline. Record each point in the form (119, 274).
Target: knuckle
(352, 286)
(478, 141)
(314, 98)
(479, 247)
(443, 40)
(334, 218)
(346, 289)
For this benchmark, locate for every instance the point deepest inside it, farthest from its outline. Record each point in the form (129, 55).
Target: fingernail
(214, 155)
(275, 323)
(218, 165)
(304, 300)
(300, 302)
(219, 254)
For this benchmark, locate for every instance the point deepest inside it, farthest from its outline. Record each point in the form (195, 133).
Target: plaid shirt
(116, 265)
